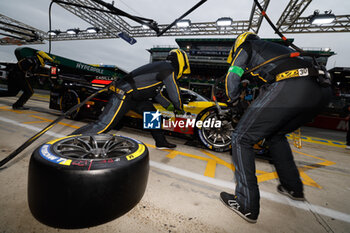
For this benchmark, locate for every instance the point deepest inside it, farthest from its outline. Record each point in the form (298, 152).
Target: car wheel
(216, 139)
(69, 99)
(86, 180)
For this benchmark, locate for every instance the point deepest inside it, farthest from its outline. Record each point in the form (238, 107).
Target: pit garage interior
(183, 185)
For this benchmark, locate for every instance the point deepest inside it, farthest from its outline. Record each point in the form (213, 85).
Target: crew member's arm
(235, 72)
(173, 90)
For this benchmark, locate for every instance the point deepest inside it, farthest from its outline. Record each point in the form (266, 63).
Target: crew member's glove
(179, 112)
(114, 89)
(234, 103)
(170, 108)
(112, 86)
(42, 56)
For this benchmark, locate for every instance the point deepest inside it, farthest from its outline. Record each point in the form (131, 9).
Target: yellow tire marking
(66, 162)
(137, 153)
(58, 139)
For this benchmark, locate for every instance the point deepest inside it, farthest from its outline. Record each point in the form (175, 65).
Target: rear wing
(62, 63)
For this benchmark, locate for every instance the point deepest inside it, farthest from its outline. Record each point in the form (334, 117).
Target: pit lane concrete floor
(184, 184)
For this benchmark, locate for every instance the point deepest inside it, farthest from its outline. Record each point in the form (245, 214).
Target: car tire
(69, 99)
(71, 188)
(205, 136)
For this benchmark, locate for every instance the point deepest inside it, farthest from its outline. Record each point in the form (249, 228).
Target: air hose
(324, 81)
(47, 128)
(263, 13)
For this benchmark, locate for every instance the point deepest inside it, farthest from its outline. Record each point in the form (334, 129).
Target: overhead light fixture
(73, 31)
(144, 26)
(224, 22)
(183, 23)
(92, 30)
(319, 19)
(53, 32)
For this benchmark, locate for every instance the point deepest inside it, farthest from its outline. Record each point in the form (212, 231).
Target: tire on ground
(70, 192)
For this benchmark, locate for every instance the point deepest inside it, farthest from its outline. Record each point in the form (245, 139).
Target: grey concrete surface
(183, 189)
(324, 133)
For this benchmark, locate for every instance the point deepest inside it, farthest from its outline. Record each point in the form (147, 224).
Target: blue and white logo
(151, 120)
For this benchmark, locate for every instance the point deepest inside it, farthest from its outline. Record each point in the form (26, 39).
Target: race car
(196, 107)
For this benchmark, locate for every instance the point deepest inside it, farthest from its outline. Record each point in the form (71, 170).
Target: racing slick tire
(69, 99)
(216, 139)
(85, 180)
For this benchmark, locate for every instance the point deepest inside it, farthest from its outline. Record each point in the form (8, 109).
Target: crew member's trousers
(280, 109)
(16, 82)
(114, 111)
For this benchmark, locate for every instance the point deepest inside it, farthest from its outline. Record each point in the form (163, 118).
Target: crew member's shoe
(165, 145)
(19, 107)
(347, 147)
(230, 201)
(297, 196)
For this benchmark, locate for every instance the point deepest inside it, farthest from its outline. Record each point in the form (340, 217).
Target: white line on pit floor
(220, 183)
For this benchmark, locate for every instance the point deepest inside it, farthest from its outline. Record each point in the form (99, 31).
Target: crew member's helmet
(179, 60)
(34, 62)
(239, 41)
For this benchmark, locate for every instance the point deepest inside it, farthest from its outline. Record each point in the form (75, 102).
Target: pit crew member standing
(292, 96)
(135, 91)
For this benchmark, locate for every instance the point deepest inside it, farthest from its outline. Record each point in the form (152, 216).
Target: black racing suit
(17, 81)
(280, 108)
(141, 85)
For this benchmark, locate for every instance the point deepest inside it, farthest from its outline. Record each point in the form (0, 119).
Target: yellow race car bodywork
(192, 110)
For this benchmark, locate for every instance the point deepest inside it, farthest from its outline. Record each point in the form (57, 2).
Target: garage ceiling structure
(16, 32)
(111, 25)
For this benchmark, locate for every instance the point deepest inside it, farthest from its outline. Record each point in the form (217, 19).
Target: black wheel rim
(95, 147)
(69, 100)
(217, 137)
